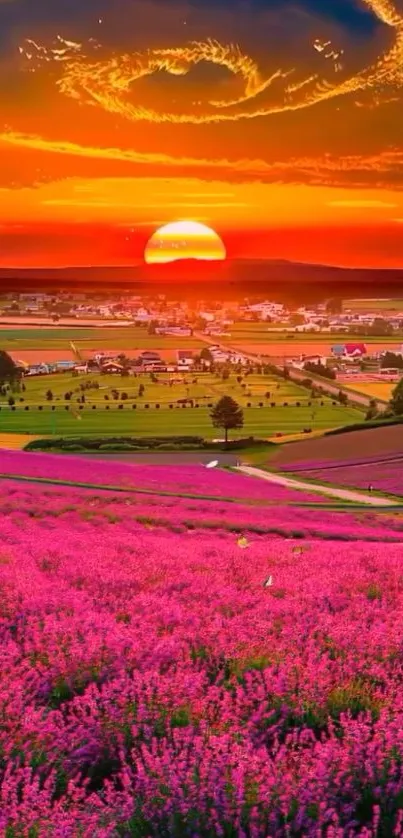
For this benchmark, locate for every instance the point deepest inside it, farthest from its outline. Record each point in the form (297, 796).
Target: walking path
(342, 494)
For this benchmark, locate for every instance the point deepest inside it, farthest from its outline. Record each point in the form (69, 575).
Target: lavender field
(176, 666)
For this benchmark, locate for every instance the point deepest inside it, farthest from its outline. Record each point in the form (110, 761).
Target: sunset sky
(276, 122)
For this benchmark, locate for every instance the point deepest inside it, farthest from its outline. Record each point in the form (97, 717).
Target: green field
(257, 333)
(259, 422)
(293, 408)
(199, 386)
(90, 339)
(131, 338)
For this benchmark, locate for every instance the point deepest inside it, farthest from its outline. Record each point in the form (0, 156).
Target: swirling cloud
(107, 82)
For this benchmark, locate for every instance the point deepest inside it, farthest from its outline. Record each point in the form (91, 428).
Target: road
(168, 458)
(341, 494)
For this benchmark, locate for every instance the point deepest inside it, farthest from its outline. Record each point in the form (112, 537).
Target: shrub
(249, 404)
(146, 406)
(261, 404)
(121, 406)
(11, 401)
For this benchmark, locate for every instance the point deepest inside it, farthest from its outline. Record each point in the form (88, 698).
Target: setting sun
(184, 240)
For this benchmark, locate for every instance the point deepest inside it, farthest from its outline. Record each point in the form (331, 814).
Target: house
(38, 369)
(63, 366)
(355, 350)
(112, 368)
(349, 350)
(185, 359)
(150, 360)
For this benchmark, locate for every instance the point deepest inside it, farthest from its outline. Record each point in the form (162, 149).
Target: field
(33, 345)
(374, 305)
(370, 443)
(53, 343)
(176, 666)
(377, 389)
(288, 410)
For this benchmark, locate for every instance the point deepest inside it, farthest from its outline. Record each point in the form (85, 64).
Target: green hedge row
(363, 426)
(160, 443)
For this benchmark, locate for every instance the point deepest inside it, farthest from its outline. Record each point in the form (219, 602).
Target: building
(112, 367)
(185, 359)
(349, 350)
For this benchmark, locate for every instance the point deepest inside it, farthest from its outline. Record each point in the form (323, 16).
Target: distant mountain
(279, 278)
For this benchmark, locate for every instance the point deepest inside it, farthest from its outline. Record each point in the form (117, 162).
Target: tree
(396, 402)
(372, 411)
(141, 390)
(227, 414)
(205, 355)
(334, 306)
(49, 396)
(390, 360)
(342, 397)
(8, 369)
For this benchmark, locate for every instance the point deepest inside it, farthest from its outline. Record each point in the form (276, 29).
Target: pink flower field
(176, 479)
(190, 667)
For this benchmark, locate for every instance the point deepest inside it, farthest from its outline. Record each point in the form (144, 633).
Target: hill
(250, 276)
(179, 666)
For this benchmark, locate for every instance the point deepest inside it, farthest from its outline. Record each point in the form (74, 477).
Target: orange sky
(118, 120)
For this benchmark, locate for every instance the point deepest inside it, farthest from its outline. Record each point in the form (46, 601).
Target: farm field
(368, 445)
(377, 389)
(289, 409)
(294, 348)
(89, 340)
(374, 305)
(155, 681)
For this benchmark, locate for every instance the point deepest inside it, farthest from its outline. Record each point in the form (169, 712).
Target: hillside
(222, 664)
(367, 444)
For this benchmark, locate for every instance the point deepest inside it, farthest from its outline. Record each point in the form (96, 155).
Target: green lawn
(261, 422)
(199, 386)
(203, 388)
(90, 339)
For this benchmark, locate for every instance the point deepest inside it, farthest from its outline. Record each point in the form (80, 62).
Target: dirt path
(342, 494)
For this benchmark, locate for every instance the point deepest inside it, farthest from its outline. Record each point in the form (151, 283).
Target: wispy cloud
(362, 204)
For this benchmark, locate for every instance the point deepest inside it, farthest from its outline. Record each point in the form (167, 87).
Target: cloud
(384, 169)
(361, 204)
(106, 82)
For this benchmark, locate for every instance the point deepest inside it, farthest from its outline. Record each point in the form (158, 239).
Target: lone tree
(396, 402)
(9, 372)
(227, 414)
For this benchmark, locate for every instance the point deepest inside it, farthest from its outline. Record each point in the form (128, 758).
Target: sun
(184, 240)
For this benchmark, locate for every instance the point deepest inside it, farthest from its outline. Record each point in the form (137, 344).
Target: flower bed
(176, 479)
(164, 683)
